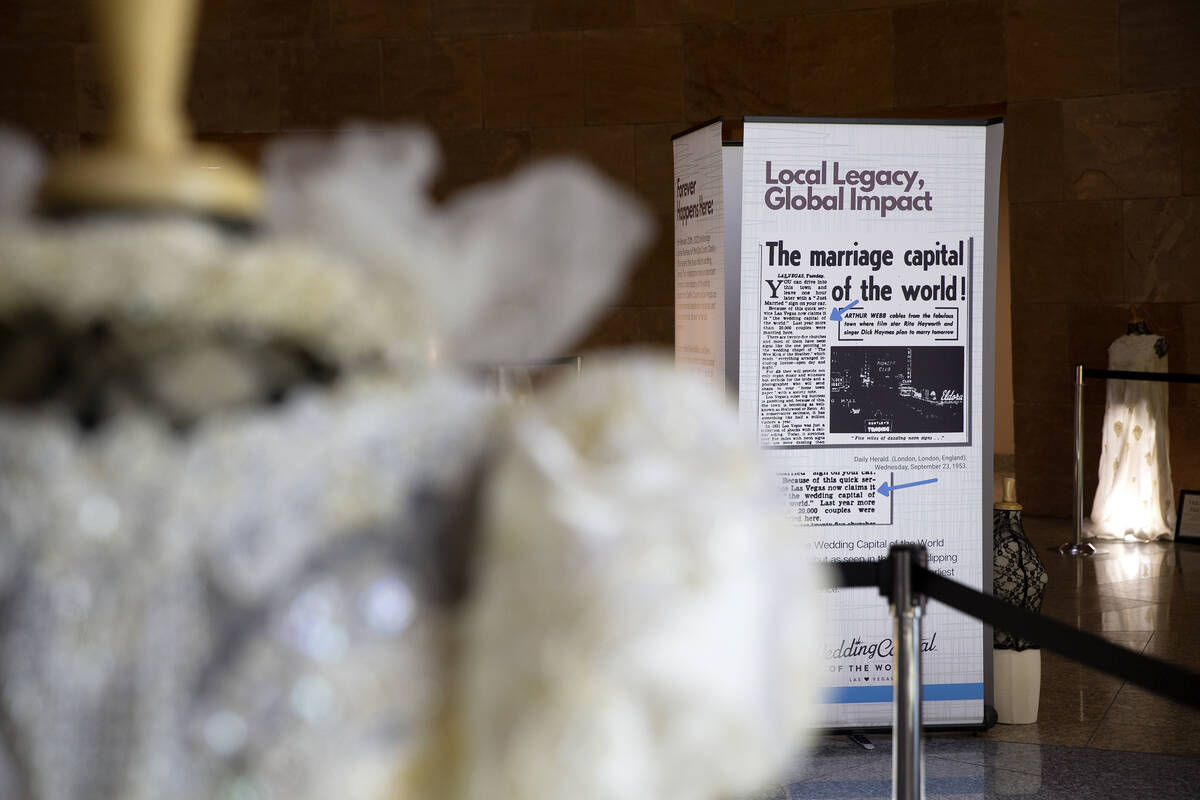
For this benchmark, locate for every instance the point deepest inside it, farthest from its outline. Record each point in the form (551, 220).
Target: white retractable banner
(865, 367)
(700, 268)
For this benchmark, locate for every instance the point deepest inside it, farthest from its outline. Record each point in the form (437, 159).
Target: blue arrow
(886, 490)
(836, 314)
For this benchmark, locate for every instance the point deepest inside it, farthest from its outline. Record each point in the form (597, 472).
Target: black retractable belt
(1160, 677)
(1169, 680)
(853, 574)
(1128, 375)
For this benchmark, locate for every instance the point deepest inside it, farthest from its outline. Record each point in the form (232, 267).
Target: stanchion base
(862, 741)
(1077, 549)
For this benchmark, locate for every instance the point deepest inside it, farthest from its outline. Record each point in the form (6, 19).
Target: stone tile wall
(1102, 99)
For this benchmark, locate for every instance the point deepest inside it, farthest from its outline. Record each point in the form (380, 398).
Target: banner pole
(908, 782)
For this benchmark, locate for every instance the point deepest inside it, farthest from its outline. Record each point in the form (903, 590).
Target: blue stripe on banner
(883, 694)
(858, 694)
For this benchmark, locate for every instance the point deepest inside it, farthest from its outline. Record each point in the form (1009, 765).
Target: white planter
(1018, 683)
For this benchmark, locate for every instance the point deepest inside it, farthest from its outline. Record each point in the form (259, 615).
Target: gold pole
(148, 162)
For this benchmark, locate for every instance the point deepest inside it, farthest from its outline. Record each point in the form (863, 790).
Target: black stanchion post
(908, 781)
(1078, 547)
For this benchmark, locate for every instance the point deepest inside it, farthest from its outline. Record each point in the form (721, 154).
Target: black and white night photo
(896, 389)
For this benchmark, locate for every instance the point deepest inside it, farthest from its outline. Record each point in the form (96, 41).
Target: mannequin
(1135, 499)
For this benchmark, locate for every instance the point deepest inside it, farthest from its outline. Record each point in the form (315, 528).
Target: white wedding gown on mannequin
(1134, 499)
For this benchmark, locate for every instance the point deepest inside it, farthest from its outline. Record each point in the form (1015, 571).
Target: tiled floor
(1096, 736)
(962, 766)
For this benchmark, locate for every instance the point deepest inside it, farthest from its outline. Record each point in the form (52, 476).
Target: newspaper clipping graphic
(860, 373)
(866, 340)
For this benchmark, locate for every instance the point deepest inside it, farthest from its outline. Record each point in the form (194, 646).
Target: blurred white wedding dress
(391, 586)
